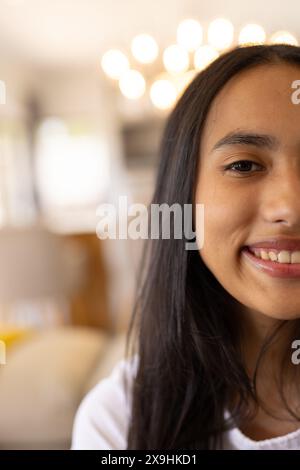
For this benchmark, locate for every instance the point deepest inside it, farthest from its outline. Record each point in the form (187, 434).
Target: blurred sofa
(44, 380)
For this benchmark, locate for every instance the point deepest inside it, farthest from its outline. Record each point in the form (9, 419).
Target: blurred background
(85, 89)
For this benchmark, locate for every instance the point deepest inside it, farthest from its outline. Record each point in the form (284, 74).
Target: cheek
(217, 230)
(226, 220)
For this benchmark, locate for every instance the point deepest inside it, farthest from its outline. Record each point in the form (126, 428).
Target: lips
(278, 244)
(273, 269)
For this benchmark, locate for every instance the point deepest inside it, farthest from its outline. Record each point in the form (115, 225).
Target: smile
(284, 264)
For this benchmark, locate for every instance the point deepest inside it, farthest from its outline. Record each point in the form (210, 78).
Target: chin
(287, 314)
(277, 310)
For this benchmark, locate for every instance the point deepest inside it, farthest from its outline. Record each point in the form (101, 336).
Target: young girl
(216, 327)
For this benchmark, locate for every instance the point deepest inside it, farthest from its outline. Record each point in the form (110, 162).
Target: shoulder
(102, 419)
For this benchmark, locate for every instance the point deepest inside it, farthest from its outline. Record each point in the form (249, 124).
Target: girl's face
(253, 201)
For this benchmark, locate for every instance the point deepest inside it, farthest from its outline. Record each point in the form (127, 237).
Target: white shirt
(103, 417)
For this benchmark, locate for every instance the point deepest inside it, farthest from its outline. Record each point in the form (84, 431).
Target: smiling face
(252, 202)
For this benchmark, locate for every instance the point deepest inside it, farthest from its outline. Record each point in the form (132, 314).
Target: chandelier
(193, 50)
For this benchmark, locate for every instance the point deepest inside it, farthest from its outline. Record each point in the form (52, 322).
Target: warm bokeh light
(220, 33)
(182, 81)
(163, 94)
(176, 76)
(283, 37)
(204, 56)
(252, 34)
(114, 63)
(176, 59)
(144, 48)
(189, 34)
(132, 84)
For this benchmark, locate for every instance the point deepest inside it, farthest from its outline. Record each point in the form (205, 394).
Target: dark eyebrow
(248, 138)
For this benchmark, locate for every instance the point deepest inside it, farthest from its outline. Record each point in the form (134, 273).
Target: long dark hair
(185, 323)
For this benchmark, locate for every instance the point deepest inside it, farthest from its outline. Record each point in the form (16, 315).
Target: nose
(281, 204)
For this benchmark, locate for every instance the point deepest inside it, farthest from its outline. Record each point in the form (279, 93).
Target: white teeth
(283, 256)
(295, 257)
(264, 255)
(273, 256)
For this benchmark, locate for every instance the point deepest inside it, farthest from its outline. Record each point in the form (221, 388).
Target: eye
(241, 166)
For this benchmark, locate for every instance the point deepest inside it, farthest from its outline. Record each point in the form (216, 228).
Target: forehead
(258, 99)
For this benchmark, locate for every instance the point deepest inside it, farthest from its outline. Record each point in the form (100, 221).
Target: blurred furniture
(89, 303)
(38, 274)
(48, 279)
(44, 381)
(57, 283)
